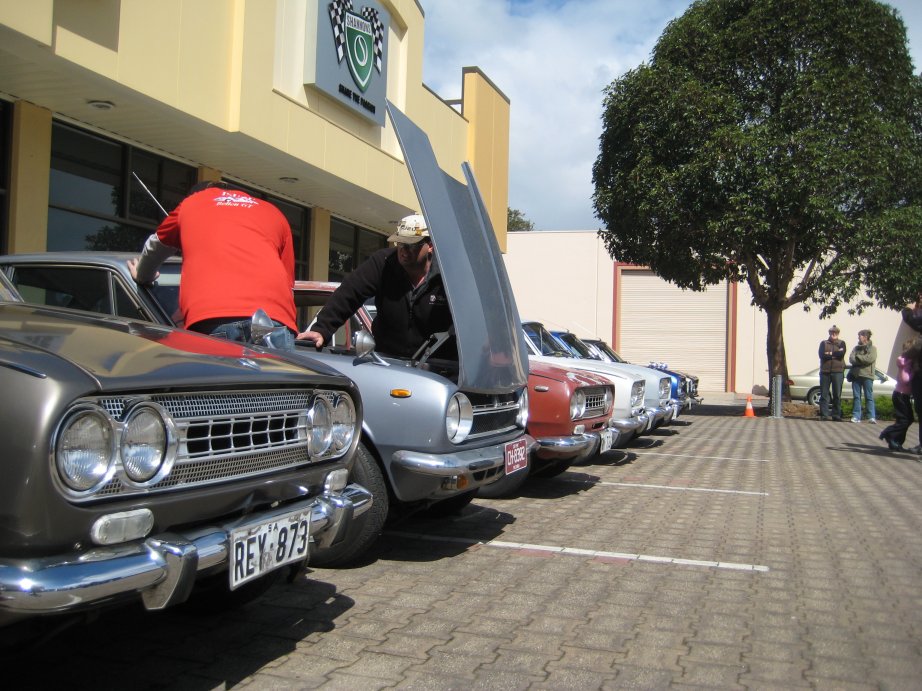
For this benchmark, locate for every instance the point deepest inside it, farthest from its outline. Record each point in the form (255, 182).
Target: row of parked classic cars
(146, 462)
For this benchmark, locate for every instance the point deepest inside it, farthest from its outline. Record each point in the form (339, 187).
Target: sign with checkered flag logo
(347, 61)
(359, 52)
(359, 39)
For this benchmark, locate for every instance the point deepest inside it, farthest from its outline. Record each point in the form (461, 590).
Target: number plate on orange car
(516, 455)
(260, 548)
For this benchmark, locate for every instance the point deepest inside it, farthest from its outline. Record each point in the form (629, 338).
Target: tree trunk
(777, 360)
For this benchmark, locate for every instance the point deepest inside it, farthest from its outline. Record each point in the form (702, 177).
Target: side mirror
(260, 326)
(364, 343)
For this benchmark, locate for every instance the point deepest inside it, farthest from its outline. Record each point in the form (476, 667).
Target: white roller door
(659, 322)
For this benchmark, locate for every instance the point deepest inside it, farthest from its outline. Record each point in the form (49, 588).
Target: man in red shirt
(237, 258)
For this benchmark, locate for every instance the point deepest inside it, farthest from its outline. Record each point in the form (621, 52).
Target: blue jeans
(831, 394)
(281, 338)
(863, 386)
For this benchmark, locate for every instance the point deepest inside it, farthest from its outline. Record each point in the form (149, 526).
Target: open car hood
(491, 349)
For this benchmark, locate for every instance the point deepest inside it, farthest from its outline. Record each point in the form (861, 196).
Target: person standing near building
(863, 358)
(895, 434)
(832, 366)
(238, 257)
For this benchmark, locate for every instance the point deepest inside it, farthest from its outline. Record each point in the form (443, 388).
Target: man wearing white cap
(409, 296)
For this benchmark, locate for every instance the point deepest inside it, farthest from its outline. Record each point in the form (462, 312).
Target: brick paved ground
(725, 552)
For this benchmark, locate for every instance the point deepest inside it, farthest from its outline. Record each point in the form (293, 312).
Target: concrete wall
(565, 278)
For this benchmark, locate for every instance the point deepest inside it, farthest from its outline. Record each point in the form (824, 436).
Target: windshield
(579, 348)
(606, 349)
(542, 340)
(7, 291)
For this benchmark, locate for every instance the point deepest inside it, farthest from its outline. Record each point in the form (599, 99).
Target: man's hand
(311, 336)
(133, 269)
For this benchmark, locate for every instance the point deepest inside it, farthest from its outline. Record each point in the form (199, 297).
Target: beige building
(283, 97)
(566, 280)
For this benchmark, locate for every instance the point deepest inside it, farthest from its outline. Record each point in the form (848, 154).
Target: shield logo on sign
(359, 49)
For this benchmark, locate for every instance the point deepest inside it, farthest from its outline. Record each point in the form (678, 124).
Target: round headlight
(343, 422)
(319, 426)
(144, 444)
(459, 418)
(577, 404)
(608, 399)
(521, 418)
(85, 449)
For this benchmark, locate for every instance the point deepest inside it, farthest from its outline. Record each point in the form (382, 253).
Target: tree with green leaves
(776, 142)
(516, 221)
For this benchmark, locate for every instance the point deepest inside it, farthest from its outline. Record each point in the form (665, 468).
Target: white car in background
(806, 387)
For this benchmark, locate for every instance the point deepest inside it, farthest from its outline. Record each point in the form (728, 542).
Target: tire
(450, 506)
(506, 486)
(813, 396)
(368, 526)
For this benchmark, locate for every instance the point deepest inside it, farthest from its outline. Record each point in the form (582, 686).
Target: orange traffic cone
(749, 411)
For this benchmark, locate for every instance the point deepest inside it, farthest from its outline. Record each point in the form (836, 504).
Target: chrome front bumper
(161, 568)
(418, 475)
(564, 448)
(628, 428)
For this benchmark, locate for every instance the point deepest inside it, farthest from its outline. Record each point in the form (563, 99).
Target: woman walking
(863, 358)
(895, 434)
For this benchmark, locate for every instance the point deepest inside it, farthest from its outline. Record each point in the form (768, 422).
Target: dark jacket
(913, 318)
(405, 316)
(832, 355)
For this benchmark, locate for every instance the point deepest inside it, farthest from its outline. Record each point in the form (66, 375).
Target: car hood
(121, 354)
(557, 373)
(491, 350)
(606, 369)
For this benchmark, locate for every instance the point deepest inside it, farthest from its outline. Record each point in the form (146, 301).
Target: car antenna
(151, 194)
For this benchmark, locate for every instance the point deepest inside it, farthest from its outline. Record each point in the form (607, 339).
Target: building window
(350, 245)
(95, 201)
(5, 161)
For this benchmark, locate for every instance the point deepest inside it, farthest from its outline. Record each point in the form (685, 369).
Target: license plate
(516, 453)
(607, 439)
(261, 548)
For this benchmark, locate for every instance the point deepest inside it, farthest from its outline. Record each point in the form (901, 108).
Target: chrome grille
(223, 436)
(493, 413)
(595, 402)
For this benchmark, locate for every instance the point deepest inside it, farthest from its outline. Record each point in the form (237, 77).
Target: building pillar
(30, 174)
(319, 266)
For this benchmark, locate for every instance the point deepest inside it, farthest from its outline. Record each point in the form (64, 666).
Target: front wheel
(813, 396)
(368, 526)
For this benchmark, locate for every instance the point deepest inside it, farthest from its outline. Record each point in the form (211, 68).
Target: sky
(553, 59)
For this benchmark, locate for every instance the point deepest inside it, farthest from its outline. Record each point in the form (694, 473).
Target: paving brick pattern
(721, 553)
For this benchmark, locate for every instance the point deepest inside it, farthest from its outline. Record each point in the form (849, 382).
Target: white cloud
(552, 59)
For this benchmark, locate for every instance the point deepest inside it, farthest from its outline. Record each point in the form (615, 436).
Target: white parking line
(576, 552)
(678, 489)
(644, 452)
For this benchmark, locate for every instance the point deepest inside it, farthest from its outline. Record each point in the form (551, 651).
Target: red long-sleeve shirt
(237, 256)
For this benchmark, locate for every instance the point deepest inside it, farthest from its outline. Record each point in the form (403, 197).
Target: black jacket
(405, 316)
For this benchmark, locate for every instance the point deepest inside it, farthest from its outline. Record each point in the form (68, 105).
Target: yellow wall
(218, 84)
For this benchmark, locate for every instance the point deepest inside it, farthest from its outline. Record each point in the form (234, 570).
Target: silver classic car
(141, 462)
(434, 431)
